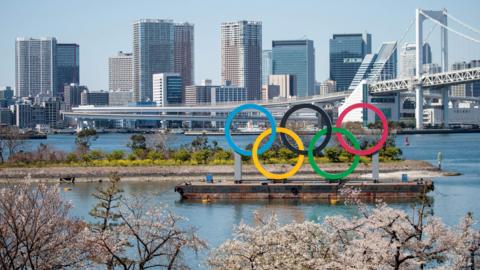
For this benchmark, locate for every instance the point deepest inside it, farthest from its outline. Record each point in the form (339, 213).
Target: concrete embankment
(388, 172)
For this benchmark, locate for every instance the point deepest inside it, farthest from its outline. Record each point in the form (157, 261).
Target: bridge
(418, 83)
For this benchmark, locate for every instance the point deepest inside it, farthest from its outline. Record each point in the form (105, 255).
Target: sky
(104, 27)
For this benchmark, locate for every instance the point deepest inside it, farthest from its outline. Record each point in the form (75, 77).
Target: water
(453, 196)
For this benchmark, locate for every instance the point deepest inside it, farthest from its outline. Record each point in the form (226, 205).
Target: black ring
(325, 116)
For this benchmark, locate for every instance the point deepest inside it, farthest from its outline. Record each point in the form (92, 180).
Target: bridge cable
(473, 29)
(451, 29)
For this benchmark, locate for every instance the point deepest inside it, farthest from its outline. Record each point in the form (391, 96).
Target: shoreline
(389, 172)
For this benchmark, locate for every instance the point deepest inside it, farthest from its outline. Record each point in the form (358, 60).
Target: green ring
(333, 176)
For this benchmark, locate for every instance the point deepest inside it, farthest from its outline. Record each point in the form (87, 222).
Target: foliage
(36, 231)
(116, 155)
(181, 155)
(333, 153)
(85, 138)
(380, 237)
(137, 142)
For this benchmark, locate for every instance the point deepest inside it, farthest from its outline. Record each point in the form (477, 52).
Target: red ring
(375, 148)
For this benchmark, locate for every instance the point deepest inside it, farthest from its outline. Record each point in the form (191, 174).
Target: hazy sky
(103, 27)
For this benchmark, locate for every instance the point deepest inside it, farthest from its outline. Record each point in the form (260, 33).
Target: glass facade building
(68, 66)
(297, 58)
(184, 52)
(167, 89)
(346, 55)
(153, 52)
(266, 65)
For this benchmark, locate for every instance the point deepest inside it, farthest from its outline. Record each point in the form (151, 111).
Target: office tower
(198, 94)
(119, 98)
(35, 67)
(328, 86)
(23, 115)
(242, 56)
(346, 54)
(73, 95)
(295, 57)
(286, 84)
(6, 97)
(6, 117)
(120, 72)
(67, 66)
(167, 89)
(266, 65)
(467, 89)
(153, 50)
(184, 52)
(228, 93)
(407, 59)
(52, 113)
(97, 98)
(270, 91)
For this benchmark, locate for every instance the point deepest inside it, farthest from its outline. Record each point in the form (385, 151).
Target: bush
(154, 155)
(286, 154)
(116, 155)
(181, 155)
(222, 155)
(96, 155)
(391, 153)
(72, 157)
(201, 156)
(333, 154)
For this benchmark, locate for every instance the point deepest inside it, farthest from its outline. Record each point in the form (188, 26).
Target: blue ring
(229, 121)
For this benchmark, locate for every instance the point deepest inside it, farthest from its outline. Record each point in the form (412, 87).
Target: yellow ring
(268, 174)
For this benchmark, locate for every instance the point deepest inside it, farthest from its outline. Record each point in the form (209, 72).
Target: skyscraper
(184, 52)
(35, 61)
(242, 56)
(407, 58)
(297, 58)
(67, 66)
(153, 52)
(266, 65)
(167, 89)
(346, 54)
(120, 73)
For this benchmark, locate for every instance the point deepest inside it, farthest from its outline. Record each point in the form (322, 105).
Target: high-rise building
(184, 52)
(167, 89)
(35, 61)
(467, 89)
(23, 115)
(52, 113)
(73, 95)
(197, 94)
(266, 65)
(346, 54)
(242, 56)
(328, 86)
(67, 66)
(120, 72)
(153, 52)
(270, 91)
(296, 57)
(408, 61)
(286, 84)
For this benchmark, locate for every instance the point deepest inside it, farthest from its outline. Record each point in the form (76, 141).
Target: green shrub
(333, 153)
(116, 155)
(391, 153)
(154, 155)
(96, 155)
(71, 157)
(201, 156)
(221, 155)
(181, 155)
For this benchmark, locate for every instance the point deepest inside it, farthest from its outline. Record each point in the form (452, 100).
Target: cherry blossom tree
(378, 237)
(36, 231)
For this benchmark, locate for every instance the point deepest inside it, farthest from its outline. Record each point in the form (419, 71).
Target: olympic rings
(312, 150)
(229, 121)
(383, 138)
(268, 174)
(331, 176)
(325, 116)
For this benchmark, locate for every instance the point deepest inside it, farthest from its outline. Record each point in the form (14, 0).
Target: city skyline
(99, 42)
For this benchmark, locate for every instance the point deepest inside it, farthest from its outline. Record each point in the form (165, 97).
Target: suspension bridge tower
(439, 17)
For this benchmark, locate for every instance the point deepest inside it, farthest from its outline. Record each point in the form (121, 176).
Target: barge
(331, 192)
